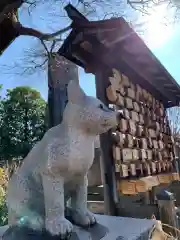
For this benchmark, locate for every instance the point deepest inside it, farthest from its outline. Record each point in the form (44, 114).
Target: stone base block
(107, 228)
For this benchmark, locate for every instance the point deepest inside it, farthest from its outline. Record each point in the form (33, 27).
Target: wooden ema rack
(142, 142)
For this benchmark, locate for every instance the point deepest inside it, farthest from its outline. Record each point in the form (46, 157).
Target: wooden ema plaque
(132, 187)
(142, 148)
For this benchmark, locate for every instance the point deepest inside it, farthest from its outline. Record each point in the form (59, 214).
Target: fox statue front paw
(83, 218)
(59, 226)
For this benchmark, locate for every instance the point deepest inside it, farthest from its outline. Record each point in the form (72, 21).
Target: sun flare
(157, 29)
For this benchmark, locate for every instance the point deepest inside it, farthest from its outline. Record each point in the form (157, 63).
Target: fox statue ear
(75, 92)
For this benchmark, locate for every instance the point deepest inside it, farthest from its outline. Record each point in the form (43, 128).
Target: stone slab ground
(113, 228)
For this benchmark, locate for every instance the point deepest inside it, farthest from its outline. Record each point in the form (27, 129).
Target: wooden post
(167, 211)
(107, 166)
(60, 72)
(152, 196)
(177, 155)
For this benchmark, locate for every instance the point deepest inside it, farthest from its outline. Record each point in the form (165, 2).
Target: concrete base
(107, 228)
(117, 228)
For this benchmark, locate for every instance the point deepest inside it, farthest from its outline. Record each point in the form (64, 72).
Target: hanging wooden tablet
(171, 157)
(117, 153)
(135, 154)
(111, 94)
(123, 125)
(131, 93)
(142, 110)
(158, 167)
(120, 100)
(150, 99)
(145, 94)
(117, 168)
(122, 90)
(153, 115)
(146, 169)
(175, 177)
(118, 138)
(149, 143)
(160, 136)
(136, 107)
(161, 144)
(163, 166)
(141, 119)
(153, 167)
(134, 116)
(139, 131)
(125, 81)
(165, 154)
(143, 143)
(127, 187)
(155, 144)
(132, 127)
(124, 170)
(117, 75)
(160, 157)
(133, 169)
(142, 154)
(149, 155)
(152, 133)
(129, 142)
(132, 86)
(139, 97)
(126, 114)
(127, 155)
(128, 103)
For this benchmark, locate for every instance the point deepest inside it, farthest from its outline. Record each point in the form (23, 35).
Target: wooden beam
(74, 14)
(157, 85)
(58, 79)
(167, 210)
(110, 189)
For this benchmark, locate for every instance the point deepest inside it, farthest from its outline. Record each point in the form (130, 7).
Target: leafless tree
(35, 58)
(146, 7)
(174, 121)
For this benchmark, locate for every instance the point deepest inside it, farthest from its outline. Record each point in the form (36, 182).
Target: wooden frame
(93, 46)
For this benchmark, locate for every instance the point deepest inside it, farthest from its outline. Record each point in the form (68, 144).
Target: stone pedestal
(109, 228)
(116, 228)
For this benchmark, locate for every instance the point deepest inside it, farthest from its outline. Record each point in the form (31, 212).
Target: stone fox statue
(54, 173)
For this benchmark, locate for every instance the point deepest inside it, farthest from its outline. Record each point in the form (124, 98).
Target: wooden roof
(114, 44)
(7, 32)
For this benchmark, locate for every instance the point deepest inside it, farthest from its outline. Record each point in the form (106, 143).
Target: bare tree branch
(174, 121)
(95, 9)
(35, 33)
(146, 6)
(10, 11)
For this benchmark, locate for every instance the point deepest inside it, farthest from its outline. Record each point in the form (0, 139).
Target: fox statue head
(86, 112)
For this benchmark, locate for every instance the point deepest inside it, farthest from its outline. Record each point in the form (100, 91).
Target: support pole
(107, 165)
(60, 72)
(177, 155)
(167, 210)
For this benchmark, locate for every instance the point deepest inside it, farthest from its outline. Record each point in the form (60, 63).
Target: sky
(162, 40)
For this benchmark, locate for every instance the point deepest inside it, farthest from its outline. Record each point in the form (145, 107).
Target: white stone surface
(118, 228)
(126, 228)
(2, 230)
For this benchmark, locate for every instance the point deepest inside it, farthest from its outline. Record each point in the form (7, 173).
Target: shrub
(3, 185)
(3, 211)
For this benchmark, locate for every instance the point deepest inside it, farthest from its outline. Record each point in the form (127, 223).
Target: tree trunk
(60, 72)
(26, 133)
